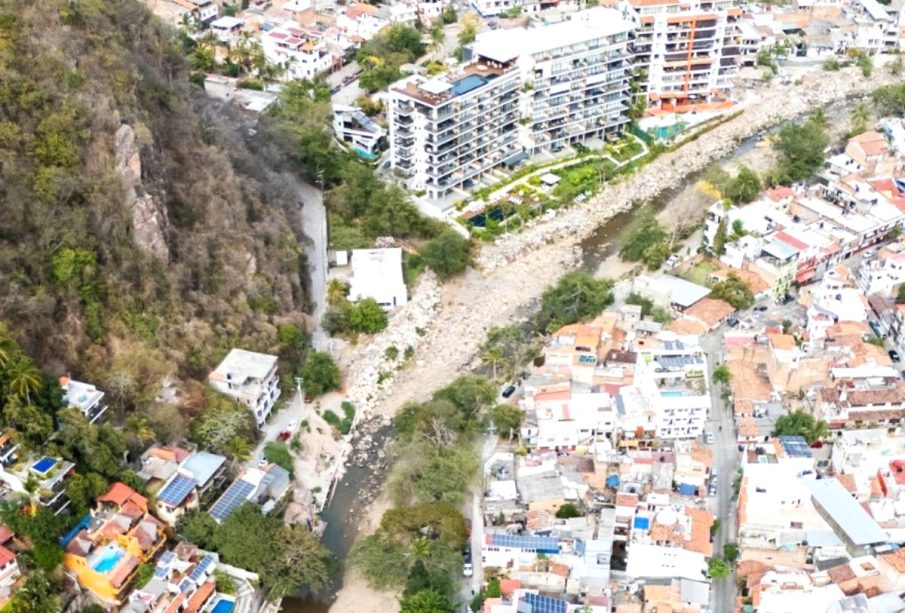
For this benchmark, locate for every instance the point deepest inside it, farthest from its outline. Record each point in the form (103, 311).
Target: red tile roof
(6, 556)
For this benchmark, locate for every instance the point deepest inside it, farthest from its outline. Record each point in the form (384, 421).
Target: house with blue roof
(196, 475)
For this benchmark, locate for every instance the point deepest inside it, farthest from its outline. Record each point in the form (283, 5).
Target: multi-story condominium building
(686, 53)
(251, 378)
(672, 377)
(302, 52)
(524, 90)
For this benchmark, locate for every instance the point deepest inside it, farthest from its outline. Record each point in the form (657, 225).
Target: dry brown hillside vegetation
(138, 235)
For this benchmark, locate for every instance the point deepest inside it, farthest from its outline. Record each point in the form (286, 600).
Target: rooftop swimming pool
(104, 560)
(673, 393)
(223, 606)
(43, 466)
(466, 84)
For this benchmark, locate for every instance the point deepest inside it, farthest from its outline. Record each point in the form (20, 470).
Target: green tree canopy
(900, 294)
(223, 424)
(287, 558)
(321, 374)
(801, 151)
(575, 297)
(648, 234)
(722, 374)
(279, 454)
(745, 187)
(568, 511)
(799, 423)
(734, 291)
(506, 349)
(426, 601)
(718, 568)
(447, 255)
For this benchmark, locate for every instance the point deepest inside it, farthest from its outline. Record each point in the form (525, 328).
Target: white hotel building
(523, 91)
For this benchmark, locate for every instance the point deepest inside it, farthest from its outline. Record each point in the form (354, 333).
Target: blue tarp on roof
(612, 481)
(642, 523)
(687, 489)
(83, 523)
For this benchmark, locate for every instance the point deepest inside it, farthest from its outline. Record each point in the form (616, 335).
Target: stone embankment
(775, 106)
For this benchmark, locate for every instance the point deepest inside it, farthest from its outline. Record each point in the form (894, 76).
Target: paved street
(293, 410)
(473, 586)
(725, 462)
(314, 224)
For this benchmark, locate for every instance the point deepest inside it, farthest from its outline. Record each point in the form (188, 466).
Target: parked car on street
(760, 308)
(894, 355)
(508, 391)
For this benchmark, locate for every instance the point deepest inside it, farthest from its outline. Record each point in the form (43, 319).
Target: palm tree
(238, 448)
(818, 431)
(820, 119)
(421, 548)
(32, 487)
(493, 355)
(860, 117)
(23, 377)
(336, 291)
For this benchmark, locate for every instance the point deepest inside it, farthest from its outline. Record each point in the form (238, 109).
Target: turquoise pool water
(106, 559)
(223, 606)
(673, 393)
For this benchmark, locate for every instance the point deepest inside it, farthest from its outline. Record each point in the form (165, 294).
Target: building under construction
(685, 52)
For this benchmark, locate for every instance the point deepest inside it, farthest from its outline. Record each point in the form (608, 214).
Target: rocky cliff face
(138, 231)
(148, 220)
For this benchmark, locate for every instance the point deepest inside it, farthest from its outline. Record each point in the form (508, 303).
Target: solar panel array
(544, 604)
(236, 494)
(795, 446)
(537, 543)
(163, 564)
(201, 568)
(185, 586)
(176, 490)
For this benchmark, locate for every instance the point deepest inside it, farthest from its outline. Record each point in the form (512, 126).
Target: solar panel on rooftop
(236, 494)
(200, 568)
(176, 490)
(544, 604)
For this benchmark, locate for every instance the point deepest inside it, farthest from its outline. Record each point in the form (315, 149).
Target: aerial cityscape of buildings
(722, 434)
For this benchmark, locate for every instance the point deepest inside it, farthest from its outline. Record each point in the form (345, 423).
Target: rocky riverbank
(777, 105)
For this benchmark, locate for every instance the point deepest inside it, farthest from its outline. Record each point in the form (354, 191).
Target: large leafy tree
(426, 601)
(506, 349)
(447, 254)
(320, 374)
(733, 290)
(800, 423)
(39, 594)
(288, 558)
(801, 149)
(224, 425)
(577, 296)
(745, 187)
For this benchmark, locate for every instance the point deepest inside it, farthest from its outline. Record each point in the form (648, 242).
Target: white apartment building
(672, 376)
(523, 91)
(84, 397)
(303, 53)
(250, 378)
(882, 276)
(355, 128)
(688, 51)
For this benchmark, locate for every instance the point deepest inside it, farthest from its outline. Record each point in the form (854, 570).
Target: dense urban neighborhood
(438, 307)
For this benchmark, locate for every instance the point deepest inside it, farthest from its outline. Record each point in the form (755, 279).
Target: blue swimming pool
(106, 559)
(223, 606)
(463, 86)
(673, 393)
(43, 465)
